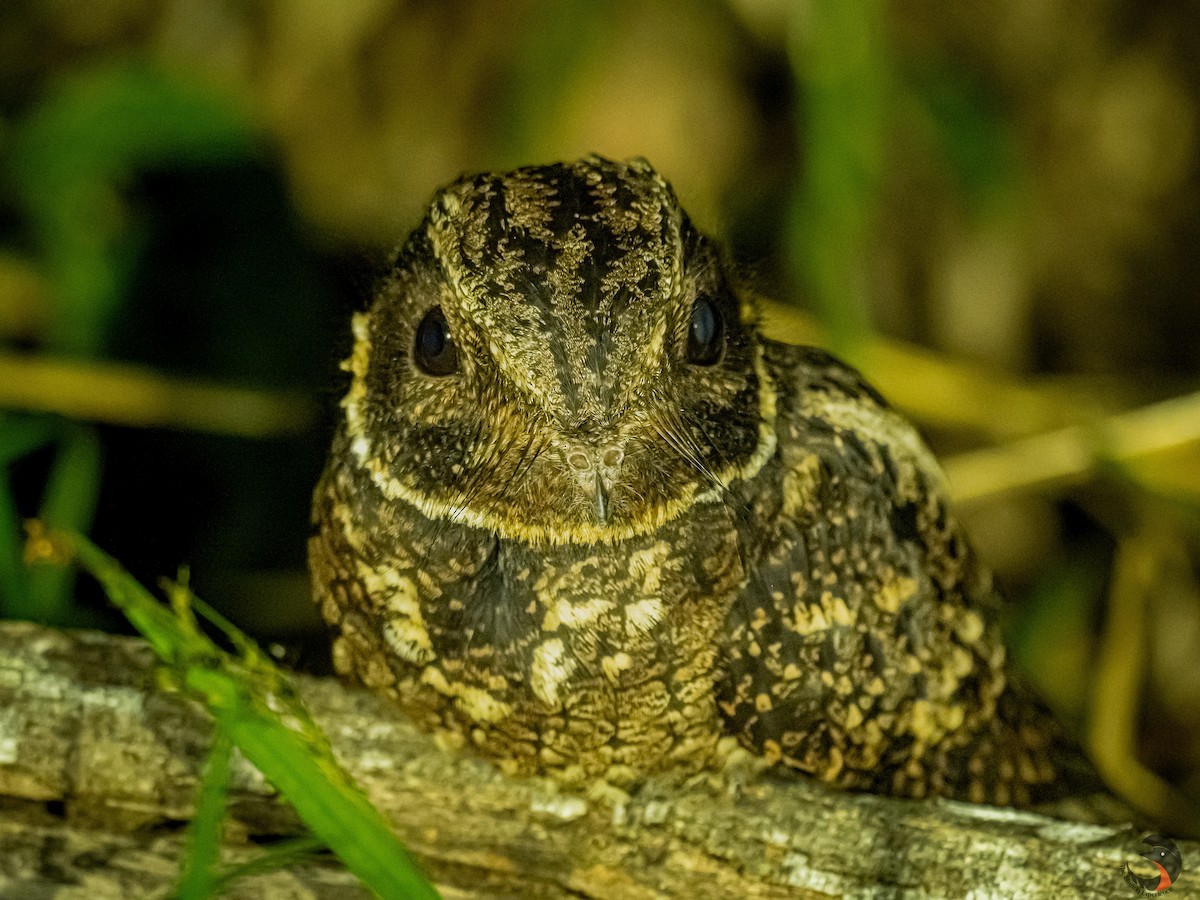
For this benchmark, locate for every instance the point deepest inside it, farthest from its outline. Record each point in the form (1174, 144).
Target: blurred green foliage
(66, 165)
(69, 163)
(842, 59)
(968, 130)
(555, 60)
(68, 498)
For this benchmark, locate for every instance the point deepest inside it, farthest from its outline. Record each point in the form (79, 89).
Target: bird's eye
(706, 333)
(433, 346)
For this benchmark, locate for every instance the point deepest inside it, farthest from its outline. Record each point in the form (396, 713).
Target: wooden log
(99, 765)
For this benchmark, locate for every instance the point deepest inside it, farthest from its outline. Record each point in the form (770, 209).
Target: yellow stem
(120, 394)
(1069, 455)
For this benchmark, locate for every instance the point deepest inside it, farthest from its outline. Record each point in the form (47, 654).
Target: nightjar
(580, 516)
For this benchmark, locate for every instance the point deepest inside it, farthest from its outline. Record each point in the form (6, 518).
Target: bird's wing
(864, 647)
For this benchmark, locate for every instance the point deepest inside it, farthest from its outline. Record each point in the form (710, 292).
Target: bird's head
(558, 356)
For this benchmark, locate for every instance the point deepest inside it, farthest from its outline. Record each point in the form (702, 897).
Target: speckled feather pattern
(776, 559)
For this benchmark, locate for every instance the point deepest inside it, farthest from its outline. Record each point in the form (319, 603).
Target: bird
(1166, 858)
(581, 518)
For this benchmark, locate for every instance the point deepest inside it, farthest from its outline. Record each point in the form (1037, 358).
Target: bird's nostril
(612, 457)
(578, 459)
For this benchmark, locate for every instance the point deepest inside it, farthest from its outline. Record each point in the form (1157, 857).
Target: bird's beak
(601, 500)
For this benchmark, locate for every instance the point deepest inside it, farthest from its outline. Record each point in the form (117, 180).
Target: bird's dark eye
(433, 346)
(706, 333)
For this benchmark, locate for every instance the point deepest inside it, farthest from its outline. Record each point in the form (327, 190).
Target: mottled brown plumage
(580, 516)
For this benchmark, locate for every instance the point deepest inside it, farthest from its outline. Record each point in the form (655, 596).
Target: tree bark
(99, 766)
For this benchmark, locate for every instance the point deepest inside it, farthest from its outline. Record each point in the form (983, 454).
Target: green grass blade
(199, 878)
(329, 804)
(256, 711)
(278, 856)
